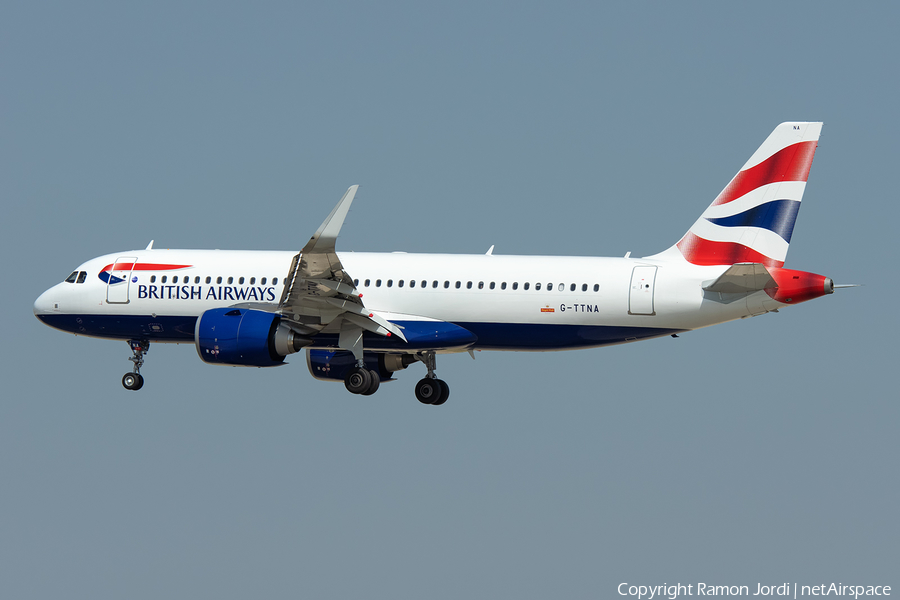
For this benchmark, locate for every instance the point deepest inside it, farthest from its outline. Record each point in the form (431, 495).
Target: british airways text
(213, 292)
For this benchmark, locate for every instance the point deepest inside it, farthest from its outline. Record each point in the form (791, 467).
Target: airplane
(362, 317)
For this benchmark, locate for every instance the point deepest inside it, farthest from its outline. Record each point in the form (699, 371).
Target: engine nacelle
(332, 365)
(245, 338)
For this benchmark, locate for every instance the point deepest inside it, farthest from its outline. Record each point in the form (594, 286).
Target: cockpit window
(71, 278)
(81, 277)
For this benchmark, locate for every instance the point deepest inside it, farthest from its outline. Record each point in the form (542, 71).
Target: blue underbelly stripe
(422, 335)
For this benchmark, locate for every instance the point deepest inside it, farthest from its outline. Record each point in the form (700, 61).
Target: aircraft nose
(44, 304)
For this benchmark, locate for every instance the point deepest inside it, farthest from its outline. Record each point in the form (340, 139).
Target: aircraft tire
(132, 381)
(374, 384)
(428, 390)
(357, 381)
(445, 393)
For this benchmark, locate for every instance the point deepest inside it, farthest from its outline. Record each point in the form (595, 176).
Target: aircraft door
(640, 297)
(119, 282)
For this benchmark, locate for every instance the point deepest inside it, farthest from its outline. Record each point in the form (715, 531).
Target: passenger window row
(230, 280)
(414, 283)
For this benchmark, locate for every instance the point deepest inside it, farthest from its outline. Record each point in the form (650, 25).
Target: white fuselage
(509, 302)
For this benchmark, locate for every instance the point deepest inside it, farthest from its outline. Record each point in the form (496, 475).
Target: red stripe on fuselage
(699, 251)
(142, 267)
(788, 164)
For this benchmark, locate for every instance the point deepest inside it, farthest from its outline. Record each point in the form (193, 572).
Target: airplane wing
(319, 292)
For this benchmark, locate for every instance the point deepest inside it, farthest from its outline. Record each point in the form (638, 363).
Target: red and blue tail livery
(363, 317)
(753, 218)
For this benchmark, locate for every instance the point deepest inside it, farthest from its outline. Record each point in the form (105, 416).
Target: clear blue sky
(759, 451)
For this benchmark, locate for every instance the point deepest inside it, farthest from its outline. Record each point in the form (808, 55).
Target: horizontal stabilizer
(741, 279)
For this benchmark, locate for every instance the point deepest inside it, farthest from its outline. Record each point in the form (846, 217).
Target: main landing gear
(362, 381)
(133, 381)
(431, 390)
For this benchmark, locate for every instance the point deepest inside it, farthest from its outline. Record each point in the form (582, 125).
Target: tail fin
(753, 218)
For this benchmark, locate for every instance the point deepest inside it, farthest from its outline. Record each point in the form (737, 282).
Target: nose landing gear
(134, 381)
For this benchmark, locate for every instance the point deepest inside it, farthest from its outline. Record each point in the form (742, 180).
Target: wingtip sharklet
(324, 237)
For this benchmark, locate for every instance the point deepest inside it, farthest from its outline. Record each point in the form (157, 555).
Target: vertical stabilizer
(752, 219)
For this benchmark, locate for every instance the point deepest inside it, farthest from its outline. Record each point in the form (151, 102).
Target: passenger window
(153, 279)
(197, 279)
(81, 277)
(377, 283)
(446, 284)
(503, 286)
(175, 279)
(583, 287)
(515, 285)
(458, 283)
(562, 287)
(261, 281)
(399, 283)
(274, 281)
(390, 282)
(434, 283)
(355, 282)
(368, 281)
(163, 280)
(71, 278)
(241, 281)
(526, 285)
(596, 287)
(252, 280)
(480, 285)
(218, 280)
(493, 284)
(537, 287)
(469, 285)
(572, 288)
(208, 279)
(549, 287)
(424, 283)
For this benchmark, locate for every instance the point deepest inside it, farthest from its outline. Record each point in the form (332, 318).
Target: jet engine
(243, 337)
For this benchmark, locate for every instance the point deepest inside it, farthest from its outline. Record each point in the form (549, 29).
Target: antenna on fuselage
(149, 246)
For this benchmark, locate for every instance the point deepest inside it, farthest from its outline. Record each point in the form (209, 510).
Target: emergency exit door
(640, 297)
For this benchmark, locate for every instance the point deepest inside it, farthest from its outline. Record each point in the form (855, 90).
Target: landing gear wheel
(445, 393)
(428, 390)
(357, 380)
(374, 384)
(133, 381)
